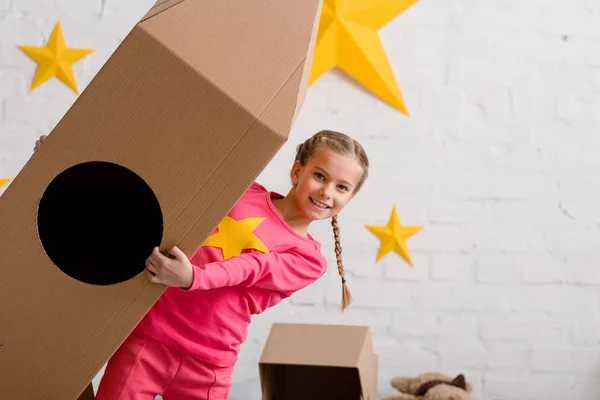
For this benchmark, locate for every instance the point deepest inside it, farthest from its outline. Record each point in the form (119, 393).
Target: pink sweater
(251, 262)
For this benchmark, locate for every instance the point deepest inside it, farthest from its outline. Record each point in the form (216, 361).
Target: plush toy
(432, 386)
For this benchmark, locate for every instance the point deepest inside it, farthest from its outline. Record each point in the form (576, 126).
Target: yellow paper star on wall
(235, 236)
(348, 38)
(55, 60)
(3, 181)
(393, 236)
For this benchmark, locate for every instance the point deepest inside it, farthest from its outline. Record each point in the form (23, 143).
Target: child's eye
(319, 175)
(343, 187)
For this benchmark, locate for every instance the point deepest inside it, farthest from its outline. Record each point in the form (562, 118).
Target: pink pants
(143, 368)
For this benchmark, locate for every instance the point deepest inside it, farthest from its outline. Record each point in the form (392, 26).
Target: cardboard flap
(318, 345)
(159, 6)
(223, 43)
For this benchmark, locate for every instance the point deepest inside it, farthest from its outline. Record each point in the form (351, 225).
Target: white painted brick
(38, 111)
(545, 213)
(504, 238)
(12, 84)
(434, 325)
(507, 157)
(5, 5)
(595, 76)
(585, 388)
(442, 100)
(517, 387)
(358, 261)
(543, 269)
(460, 212)
(508, 358)
(452, 267)
(551, 360)
(579, 21)
(521, 327)
(572, 241)
(378, 320)
(459, 297)
(16, 147)
(452, 356)
(529, 107)
(373, 293)
(585, 362)
(420, 68)
(407, 153)
(579, 107)
(393, 354)
(36, 8)
(555, 299)
(584, 273)
(563, 360)
(477, 129)
(381, 205)
(578, 202)
(497, 269)
(16, 31)
(398, 268)
(438, 238)
(489, 102)
(586, 332)
(482, 185)
(311, 295)
(90, 9)
(136, 8)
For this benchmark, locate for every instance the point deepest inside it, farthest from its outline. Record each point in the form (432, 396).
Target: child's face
(326, 183)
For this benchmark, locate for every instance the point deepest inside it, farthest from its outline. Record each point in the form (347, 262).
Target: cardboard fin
(211, 82)
(160, 6)
(303, 88)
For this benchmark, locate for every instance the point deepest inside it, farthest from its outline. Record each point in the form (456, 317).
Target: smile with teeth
(319, 204)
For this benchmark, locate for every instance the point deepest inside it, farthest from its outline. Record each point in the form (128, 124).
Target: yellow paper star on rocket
(393, 236)
(55, 60)
(348, 38)
(3, 181)
(235, 236)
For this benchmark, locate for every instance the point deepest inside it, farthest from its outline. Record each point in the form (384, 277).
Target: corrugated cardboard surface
(160, 6)
(198, 120)
(315, 361)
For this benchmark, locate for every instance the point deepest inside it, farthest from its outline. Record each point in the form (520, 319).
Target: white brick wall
(499, 161)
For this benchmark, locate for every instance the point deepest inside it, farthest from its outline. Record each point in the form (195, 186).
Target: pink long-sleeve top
(252, 261)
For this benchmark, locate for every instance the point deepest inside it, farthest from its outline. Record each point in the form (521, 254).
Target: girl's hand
(39, 142)
(174, 272)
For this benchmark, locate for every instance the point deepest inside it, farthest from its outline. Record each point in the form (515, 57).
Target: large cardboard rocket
(185, 114)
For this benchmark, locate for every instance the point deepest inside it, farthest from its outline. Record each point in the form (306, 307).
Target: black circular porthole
(98, 222)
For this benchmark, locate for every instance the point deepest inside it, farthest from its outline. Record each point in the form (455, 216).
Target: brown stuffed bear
(432, 386)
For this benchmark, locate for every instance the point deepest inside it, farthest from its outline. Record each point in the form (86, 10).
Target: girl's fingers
(151, 267)
(156, 257)
(152, 278)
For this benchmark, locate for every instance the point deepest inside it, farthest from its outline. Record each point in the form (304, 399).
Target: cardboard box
(176, 125)
(307, 361)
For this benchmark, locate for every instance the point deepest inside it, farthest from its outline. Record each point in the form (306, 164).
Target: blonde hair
(343, 145)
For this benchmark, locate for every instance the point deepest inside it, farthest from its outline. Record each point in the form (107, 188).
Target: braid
(346, 297)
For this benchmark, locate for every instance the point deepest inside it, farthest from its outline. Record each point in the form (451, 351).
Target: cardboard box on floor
(312, 361)
(176, 125)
